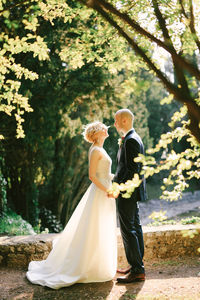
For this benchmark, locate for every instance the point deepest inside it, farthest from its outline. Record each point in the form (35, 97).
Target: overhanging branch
(192, 26)
(134, 25)
(177, 68)
(170, 86)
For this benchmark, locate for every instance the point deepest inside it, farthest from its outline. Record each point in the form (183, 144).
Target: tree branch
(192, 26)
(182, 93)
(194, 116)
(162, 24)
(183, 9)
(191, 19)
(177, 69)
(170, 86)
(111, 9)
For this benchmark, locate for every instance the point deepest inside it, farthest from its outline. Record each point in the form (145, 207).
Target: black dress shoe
(124, 271)
(131, 277)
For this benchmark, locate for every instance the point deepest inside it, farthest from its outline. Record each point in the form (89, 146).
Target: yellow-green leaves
(32, 26)
(167, 100)
(126, 188)
(181, 167)
(52, 9)
(12, 102)
(158, 215)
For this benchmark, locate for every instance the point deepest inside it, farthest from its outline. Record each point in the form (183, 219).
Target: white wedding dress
(86, 250)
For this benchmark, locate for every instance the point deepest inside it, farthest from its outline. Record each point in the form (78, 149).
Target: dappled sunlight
(174, 280)
(23, 296)
(163, 288)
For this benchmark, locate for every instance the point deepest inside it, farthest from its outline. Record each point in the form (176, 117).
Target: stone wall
(166, 241)
(160, 243)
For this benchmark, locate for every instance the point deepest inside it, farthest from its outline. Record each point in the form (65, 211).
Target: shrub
(13, 224)
(49, 221)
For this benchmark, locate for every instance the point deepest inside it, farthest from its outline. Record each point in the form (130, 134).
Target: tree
(150, 25)
(80, 59)
(74, 87)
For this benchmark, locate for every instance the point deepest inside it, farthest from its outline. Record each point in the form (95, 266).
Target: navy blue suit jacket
(132, 145)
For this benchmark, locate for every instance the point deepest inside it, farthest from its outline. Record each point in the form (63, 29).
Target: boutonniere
(120, 141)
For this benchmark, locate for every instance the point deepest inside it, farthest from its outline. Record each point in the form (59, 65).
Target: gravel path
(189, 202)
(165, 280)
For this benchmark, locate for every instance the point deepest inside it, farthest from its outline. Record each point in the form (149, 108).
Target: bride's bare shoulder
(95, 151)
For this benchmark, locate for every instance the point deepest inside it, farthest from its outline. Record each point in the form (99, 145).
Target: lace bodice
(103, 171)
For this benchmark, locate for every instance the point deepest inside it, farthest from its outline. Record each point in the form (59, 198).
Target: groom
(128, 209)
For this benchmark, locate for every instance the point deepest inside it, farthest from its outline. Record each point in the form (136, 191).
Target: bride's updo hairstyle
(91, 129)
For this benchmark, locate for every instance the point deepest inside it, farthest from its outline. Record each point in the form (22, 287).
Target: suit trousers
(131, 231)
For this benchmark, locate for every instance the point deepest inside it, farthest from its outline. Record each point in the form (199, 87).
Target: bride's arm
(94, 160)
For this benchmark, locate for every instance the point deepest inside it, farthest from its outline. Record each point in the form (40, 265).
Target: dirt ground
(165, 279)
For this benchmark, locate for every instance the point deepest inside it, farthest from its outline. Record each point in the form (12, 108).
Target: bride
(86, 250)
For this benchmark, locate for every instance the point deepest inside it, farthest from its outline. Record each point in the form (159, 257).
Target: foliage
(161, 223)
(152, 28)
(13, 103)
(22, 35)
(158, 216)
(13, 224)
(174, 29)
(82, 68)
(184, 221)
(183, 166)
(191, 220)
(85, 71)
(49, 222)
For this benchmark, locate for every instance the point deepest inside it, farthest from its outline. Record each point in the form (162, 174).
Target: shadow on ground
(165, 279)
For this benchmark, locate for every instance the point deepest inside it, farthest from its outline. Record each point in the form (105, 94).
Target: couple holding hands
(86, 250)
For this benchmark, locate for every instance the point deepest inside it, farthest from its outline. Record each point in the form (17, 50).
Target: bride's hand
(109, 195)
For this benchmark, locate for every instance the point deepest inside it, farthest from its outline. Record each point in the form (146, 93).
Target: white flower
(120, 141)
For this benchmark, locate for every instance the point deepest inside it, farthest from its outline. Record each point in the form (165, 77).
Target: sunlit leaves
(52, 9)
(158, 215)
(32, 26)
(167, 100)
(94, 41)
(126, 188)
(11, 101)
(115, 189)
(181, 166)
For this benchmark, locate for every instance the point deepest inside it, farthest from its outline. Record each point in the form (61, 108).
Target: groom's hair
(125, 113)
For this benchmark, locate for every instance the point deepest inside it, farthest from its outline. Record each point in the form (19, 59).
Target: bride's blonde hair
(91, 129)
